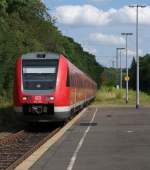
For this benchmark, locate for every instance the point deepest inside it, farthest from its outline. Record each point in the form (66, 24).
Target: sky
(97, 25)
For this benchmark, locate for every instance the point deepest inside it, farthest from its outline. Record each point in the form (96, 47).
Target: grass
(110, 96)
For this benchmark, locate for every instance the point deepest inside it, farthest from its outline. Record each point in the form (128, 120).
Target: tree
(144, 74)
(132, 75)
(26, 26)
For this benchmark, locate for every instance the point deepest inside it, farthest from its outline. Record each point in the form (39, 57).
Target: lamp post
(117, 69)
(127, 72)
(119, 49)
(121, 67)
(137, 6)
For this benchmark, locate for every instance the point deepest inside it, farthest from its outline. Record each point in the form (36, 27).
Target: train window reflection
(39, 74)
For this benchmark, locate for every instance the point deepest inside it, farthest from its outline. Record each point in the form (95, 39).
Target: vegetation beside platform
(110, 96)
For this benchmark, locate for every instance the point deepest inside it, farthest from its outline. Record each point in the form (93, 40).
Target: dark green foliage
(25, 26)
(132, 75)
(108, 77)
(144, 74)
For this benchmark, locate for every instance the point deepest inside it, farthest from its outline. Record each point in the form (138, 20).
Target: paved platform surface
(115, 139)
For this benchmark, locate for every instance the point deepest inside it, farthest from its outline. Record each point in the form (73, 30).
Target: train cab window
(77, 84)
(80, 83)
(73, 81)
(68, 79)
(39, 74)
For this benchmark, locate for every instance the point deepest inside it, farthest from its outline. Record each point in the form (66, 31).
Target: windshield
(39, 74)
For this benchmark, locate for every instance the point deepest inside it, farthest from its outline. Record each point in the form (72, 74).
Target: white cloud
(89, 15)
(106, 39)
(82, 15)
(128, 15)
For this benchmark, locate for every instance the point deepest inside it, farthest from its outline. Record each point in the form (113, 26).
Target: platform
(103, 139)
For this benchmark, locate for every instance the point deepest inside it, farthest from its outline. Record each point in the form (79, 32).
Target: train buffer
(102, 139)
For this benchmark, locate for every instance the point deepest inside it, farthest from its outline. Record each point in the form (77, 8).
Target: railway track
(17, 147)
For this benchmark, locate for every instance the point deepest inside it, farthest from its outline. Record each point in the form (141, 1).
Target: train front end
(35, 85)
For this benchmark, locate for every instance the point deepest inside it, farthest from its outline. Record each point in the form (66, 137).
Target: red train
(48, 87)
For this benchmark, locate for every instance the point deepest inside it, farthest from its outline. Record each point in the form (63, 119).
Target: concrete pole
(137, 60)
(117, 85)
(137, 6)
(127, 72)
(120, 70)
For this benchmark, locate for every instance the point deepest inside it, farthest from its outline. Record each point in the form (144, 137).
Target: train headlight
(24, 98)
(50, 98)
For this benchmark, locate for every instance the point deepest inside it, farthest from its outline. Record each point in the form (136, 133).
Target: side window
(68, 79)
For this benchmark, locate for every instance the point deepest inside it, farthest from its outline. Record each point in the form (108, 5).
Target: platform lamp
(127, 72)
(120, 49)
(137, 6)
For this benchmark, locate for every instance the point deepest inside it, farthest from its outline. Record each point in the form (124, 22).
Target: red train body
(48, 87)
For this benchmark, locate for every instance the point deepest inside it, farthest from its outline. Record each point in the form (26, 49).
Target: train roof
(40, 55)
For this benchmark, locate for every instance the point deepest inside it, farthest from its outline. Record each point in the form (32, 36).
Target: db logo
(37, 97)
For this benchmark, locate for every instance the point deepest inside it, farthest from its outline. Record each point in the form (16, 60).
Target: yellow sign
(127, 78)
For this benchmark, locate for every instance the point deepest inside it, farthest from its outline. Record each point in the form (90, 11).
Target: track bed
(17, 147)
